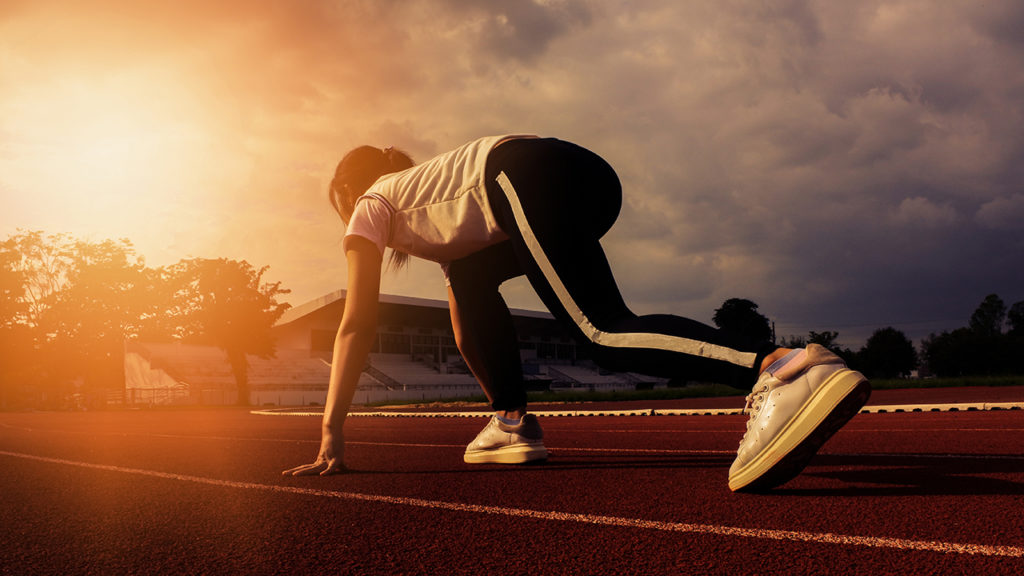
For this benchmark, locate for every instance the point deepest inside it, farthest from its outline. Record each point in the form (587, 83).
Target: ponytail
(356, 172)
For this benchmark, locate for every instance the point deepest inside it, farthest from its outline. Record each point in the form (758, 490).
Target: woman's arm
(351, 347)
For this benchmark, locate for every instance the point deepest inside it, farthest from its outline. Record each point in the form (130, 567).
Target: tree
(223, 302)
(992, 349)
(14, 339)
(1015, 338)
(888, 353)
(1016, 318)
(43, 264)
(740, 317)
(67, 307)
(793, 341)
(988, 318)
(952, 354)
(13, 308)
(826, 338)
(982, 348)
(98, 309)
(35, 269)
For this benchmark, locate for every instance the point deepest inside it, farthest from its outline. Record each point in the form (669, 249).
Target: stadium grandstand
(414, 358)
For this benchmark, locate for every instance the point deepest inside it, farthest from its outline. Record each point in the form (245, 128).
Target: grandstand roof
(303, 310)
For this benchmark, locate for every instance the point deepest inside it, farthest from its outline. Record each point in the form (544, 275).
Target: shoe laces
(755, 400)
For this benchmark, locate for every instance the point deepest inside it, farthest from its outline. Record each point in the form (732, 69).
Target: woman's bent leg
(484, 330)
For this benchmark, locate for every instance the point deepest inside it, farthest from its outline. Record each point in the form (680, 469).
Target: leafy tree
(988, 318)
(42, 263)
(888, 353)
(951, 354)
(223, 302)
(67, 306)
(793, 341)
(89, 319)
(158, 315)
(35, 270)
(740, 316)
(828, 339)
(14, 340)
(982, 348)
(992, 348)
(13, 308)
(1015, 339)
(1016, 318)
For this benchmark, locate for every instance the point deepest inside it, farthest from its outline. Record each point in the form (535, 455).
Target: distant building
(413, 358)
(417, 327)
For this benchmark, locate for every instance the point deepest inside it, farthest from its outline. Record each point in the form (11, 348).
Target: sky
(847, 166)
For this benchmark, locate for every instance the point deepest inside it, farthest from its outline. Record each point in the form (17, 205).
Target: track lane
(600, 468)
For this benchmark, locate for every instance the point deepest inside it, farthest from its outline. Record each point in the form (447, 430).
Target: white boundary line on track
(703, 529)
(895, 408)
(561, 449)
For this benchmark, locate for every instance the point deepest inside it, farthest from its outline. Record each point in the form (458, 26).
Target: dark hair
(356, 172)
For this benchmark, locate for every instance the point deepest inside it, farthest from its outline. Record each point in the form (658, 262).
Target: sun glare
(114, 136)
(107, 152)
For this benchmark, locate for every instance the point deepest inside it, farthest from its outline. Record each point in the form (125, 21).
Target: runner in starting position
(504, 206)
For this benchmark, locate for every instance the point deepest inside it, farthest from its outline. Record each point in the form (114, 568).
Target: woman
(504, 206)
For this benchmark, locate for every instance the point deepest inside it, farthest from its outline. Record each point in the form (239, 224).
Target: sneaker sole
(838, 400)
(514, 454)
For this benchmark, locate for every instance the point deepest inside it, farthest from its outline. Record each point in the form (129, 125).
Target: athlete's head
(358, 170)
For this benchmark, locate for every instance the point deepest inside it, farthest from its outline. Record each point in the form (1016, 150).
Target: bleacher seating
(206, 373)
(588, 376)
(584, 374)
(206, 366)
(410, 373)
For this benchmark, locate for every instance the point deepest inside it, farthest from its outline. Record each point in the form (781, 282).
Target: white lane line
(573, 449)
(452, 446)
(923, 430)
(644, 451)
(556, 449)
(554, 516)
(883, 409)
(1017, 457)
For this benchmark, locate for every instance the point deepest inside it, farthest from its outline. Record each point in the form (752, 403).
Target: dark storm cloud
(524, 30)
(856, 166)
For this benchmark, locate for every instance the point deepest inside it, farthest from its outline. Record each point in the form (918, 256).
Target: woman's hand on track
(328, 461)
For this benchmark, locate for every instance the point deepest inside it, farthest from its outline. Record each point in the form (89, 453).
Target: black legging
(555, 200)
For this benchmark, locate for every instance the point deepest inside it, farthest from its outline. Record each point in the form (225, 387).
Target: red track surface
(165, 492)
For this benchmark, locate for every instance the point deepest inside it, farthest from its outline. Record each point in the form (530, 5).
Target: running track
(199, 492)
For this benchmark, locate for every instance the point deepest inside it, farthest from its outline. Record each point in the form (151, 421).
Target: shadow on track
(912, 475)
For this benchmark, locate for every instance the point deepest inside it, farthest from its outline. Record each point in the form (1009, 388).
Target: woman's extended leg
(555, 200)
(547, 197)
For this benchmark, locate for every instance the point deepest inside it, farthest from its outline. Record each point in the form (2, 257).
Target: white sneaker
(792, 414)
(500, 443)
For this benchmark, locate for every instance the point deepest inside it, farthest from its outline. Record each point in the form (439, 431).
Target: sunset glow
(827, 160)
(111, 153)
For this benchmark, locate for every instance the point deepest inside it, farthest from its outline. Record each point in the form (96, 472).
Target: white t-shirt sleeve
(371, 219)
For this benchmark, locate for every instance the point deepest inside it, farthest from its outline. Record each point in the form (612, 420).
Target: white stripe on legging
(612, 339)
